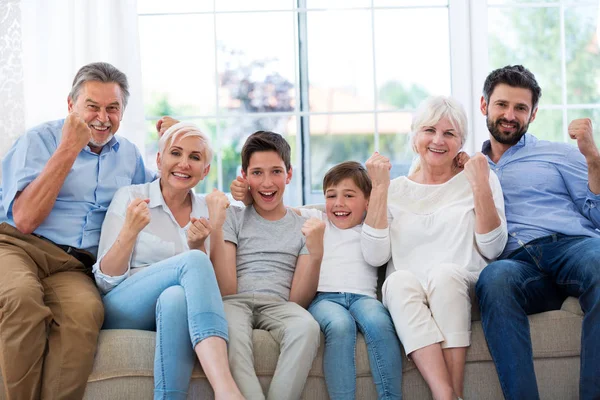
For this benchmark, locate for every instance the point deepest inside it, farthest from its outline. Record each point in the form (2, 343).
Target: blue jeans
(339, 314)
(180, 299)
(534, 279)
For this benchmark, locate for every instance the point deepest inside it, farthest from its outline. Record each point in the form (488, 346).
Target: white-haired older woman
(446, 224)
(154, 271)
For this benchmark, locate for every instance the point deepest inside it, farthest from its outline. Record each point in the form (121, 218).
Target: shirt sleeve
(375, 245)
(492, 244)
(113, 222)
(230, 226)
(142, 174)
(23, 163)
(574, 172)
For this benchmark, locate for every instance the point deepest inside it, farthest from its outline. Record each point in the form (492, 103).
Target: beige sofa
(123, 368)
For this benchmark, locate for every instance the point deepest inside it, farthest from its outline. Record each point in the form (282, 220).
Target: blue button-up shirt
(545, 186)
(78, 213)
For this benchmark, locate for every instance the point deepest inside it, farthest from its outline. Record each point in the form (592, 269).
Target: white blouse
(160, 239)
(435, 224)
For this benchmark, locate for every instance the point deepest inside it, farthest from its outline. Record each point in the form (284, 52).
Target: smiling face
(183, 163)
(437, 145)
(267, 178)
(345, 204)
(508, 113)
(100, 105)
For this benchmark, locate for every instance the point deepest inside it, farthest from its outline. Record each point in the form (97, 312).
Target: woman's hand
(197, 233)
(217, 202)
(460, 160)
(477, 171)
(137, 216)
(240, 191)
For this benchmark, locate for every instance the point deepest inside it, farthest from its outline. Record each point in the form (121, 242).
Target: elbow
(23, 224)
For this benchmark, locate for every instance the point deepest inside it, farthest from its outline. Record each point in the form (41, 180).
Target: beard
(94, 143)
(506, 138)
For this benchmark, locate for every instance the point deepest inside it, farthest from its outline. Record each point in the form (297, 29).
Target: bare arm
(582, 130)
(478, 174)
(33, 205)
(223, 257)
(306, 280)
(378, 167)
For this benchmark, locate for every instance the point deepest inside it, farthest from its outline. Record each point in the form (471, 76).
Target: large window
(338, 78)
(559, 42)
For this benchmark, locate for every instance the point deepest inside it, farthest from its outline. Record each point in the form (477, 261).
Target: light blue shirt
(77, 215)
(545, 186)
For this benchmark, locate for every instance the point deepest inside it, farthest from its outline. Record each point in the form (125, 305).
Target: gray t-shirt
(267, 251)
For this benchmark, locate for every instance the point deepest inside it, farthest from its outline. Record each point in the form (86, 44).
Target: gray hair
(430, 112)
(183, 130)
(100, 72)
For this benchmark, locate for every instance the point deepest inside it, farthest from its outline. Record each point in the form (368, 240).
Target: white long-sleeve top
(351, 256)
(435, 224)
(160, 239)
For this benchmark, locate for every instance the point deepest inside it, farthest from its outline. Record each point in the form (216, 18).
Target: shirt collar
(525, 139)
(157, 199)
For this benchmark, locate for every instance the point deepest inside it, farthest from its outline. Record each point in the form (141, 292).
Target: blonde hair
(183, 130)
(429, 113)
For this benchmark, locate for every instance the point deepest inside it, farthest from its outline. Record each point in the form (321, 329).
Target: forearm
(34, 203)
(224, 263)
(593, 164)
(116, 260)
(377, 211)
(486, 214)
(305, 282)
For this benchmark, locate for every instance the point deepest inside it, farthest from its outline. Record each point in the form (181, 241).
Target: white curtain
(56, 38)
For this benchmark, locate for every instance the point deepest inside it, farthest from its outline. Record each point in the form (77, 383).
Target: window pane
(582, 34)
(425, 68)
(337, 138)
(591, 113)
(394, 129)
(531, 37)
(254, 5)
(409, 3)
(496, 2)
(337, 3)
(233, 135)
(256, 68)
(548, 125)
(173, 6)
(177, 79)
(340, 61)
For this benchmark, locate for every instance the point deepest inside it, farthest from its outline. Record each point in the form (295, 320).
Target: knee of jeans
(172, 301)
(198, 259)
(340, 325)
(496, 281)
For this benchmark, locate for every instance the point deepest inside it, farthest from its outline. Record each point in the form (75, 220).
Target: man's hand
(583, 131)
(165, 123)
(314, 229)
(197, 233)
(378, 168)
(477, 171)
(76, 134)
(217, 203)
(137, 216)
(240, 190)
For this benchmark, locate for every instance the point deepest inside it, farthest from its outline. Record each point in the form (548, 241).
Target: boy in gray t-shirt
(267, 262)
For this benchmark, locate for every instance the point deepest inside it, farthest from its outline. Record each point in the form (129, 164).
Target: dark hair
(352, 170)
(100, 72)
(266, 141)
(515, 76)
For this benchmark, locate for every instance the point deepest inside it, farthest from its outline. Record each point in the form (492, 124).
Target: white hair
(183, 130)
(429, 113)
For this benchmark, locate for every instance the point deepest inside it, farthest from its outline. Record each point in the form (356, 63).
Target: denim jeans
(534, 279)
(339, 314)
(180, 299)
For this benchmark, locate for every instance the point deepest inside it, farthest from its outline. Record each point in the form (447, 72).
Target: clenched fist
(163, 124)
(314, 229)
(460, 160)
(197, 233)
(217, 202)
(138, 215)
(76, 134)
(378, 168)
(583, 131)
(240, 190)
(477, 171)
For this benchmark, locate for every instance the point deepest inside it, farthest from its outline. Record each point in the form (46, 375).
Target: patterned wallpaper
(12, 104)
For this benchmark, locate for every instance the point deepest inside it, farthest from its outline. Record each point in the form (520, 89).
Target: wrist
(593, 160)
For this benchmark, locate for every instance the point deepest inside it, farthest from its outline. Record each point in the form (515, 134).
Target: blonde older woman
(447, 223)
(154, 271)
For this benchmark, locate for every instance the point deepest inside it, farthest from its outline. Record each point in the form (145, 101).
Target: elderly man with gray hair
(58, 181)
